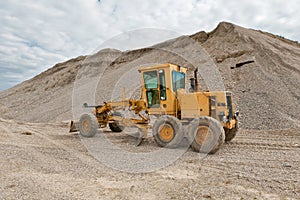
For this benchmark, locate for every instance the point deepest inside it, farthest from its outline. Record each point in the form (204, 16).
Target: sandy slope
(266, 91)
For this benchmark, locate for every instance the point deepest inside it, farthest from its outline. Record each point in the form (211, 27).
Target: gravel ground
(44, 161)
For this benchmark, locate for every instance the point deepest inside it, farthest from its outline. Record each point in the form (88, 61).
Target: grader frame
(210, 115)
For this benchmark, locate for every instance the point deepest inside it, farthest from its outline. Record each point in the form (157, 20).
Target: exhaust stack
(196, 80)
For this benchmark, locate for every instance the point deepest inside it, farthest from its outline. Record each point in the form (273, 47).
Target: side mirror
(85, 105)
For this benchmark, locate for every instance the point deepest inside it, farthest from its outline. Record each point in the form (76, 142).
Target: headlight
(225, 119)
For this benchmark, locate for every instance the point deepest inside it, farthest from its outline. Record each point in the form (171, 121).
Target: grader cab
(206, 119)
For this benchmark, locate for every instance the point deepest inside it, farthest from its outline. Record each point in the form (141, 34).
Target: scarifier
(205, 118)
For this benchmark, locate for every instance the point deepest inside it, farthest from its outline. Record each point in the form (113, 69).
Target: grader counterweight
(208, 117)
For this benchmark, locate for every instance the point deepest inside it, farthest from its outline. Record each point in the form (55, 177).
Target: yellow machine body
(164, 91)
(164, 94)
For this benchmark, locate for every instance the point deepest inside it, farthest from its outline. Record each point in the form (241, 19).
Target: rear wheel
(206, 135)
(88, 125)
(115, 126)
(168, 131)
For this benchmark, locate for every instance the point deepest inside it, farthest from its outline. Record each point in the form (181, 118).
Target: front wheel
(88, 125)
(206, 135)
(168, 131)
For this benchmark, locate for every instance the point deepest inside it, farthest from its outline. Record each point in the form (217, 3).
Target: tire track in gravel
(270, 164)
(84, 158)
(33, 149)
(64, 167)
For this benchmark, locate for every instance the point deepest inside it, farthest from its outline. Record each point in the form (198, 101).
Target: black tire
(115, 126)
(167, 131)
(88, 125)
(231, 133)
(206, 135)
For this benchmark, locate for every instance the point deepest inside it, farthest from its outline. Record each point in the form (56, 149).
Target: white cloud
(35, 35)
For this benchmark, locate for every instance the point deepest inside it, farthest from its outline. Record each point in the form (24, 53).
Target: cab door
(155, 87)
(152, 89)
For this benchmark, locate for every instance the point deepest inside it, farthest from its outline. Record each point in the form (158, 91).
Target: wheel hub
(85, 126)
(166, 132)
(203, 135)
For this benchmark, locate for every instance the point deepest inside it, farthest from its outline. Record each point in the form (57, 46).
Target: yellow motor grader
(207, 118)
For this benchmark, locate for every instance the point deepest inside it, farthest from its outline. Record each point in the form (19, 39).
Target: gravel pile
(262, 71)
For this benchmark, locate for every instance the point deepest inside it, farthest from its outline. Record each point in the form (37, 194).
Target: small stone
(219, 60)
(131, 188)
(286, 165)
(26, 133)
(207, 196)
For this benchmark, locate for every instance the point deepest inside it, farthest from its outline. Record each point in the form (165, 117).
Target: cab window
(151, 80)
(155, 85)
(178, 80)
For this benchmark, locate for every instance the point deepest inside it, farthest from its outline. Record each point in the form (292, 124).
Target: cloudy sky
(36, 34)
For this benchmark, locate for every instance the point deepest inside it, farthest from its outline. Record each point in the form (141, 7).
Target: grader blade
(141, 135)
